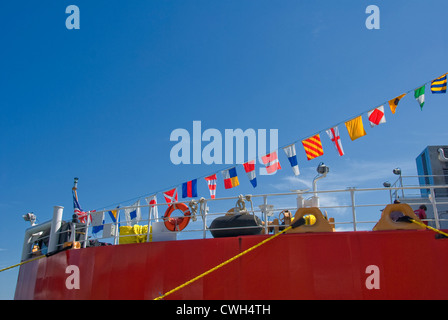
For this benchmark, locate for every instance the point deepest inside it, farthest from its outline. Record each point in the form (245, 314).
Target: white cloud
(350, 173)
(293, 182)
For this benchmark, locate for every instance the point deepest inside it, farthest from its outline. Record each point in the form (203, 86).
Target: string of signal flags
(312, 146)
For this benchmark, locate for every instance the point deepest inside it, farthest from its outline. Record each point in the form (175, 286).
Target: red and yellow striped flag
(313, 147)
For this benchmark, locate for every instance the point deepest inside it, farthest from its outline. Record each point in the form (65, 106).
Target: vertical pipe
(299, 201)
(203, 208)
(55, 226)
(434, 207)
(117, 228)
(401, 184)
(150, 218)
(265, 211)
(352, 195)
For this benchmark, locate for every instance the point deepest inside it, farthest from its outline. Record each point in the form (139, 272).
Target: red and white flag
(211, 181)
(170, 196)
(249, 167)
(376, 116)
(82, 216)
(153, 209)
(152, 200)
(271, 162)
(333, 133)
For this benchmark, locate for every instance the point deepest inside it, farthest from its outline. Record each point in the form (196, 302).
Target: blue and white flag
(97, 221)
(133, 214)
(291, 154)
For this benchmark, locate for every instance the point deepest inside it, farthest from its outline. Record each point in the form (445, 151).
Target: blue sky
(99, 103)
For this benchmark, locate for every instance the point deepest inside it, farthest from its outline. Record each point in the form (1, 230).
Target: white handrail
(350, 203)
(355, 206)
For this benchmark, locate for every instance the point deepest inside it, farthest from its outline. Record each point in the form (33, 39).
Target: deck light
(31, 217)
(323, 169)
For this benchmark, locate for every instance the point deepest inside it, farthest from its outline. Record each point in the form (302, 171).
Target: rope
(22, 263)
(193, 209)
(410, 220)
(241, 205)
(37, 258)
(430, 228)
(203, 207)
(295, 225)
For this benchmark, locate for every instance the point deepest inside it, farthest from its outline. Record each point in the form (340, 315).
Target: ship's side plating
(340, 265)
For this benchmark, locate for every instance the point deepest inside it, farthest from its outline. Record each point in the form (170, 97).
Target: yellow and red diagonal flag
(313, 147)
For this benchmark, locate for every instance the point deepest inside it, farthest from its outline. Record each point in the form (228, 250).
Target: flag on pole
(376, 116)
(333, 133)
(355, 128)
(313, 147)
(190, 189)
(393, 104)
(249, 167)
(82, 216)
(271, 162)
(419, 95)
(230, 178)
(439, 85)
(292, 157)
(170, 196)
(211, 181)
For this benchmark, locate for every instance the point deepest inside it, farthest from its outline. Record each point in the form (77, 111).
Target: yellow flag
(355, 128)
(393, 104)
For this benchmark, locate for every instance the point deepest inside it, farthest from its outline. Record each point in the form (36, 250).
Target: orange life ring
(177, 224)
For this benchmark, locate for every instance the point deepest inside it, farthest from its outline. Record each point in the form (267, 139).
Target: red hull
(412, 265)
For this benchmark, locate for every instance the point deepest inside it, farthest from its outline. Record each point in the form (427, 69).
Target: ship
(282, 246)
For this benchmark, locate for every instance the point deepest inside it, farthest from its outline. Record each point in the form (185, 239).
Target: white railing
(353, 209)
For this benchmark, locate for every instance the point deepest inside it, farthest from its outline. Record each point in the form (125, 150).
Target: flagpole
(75, 183)
(148, 232)
(117, 228)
